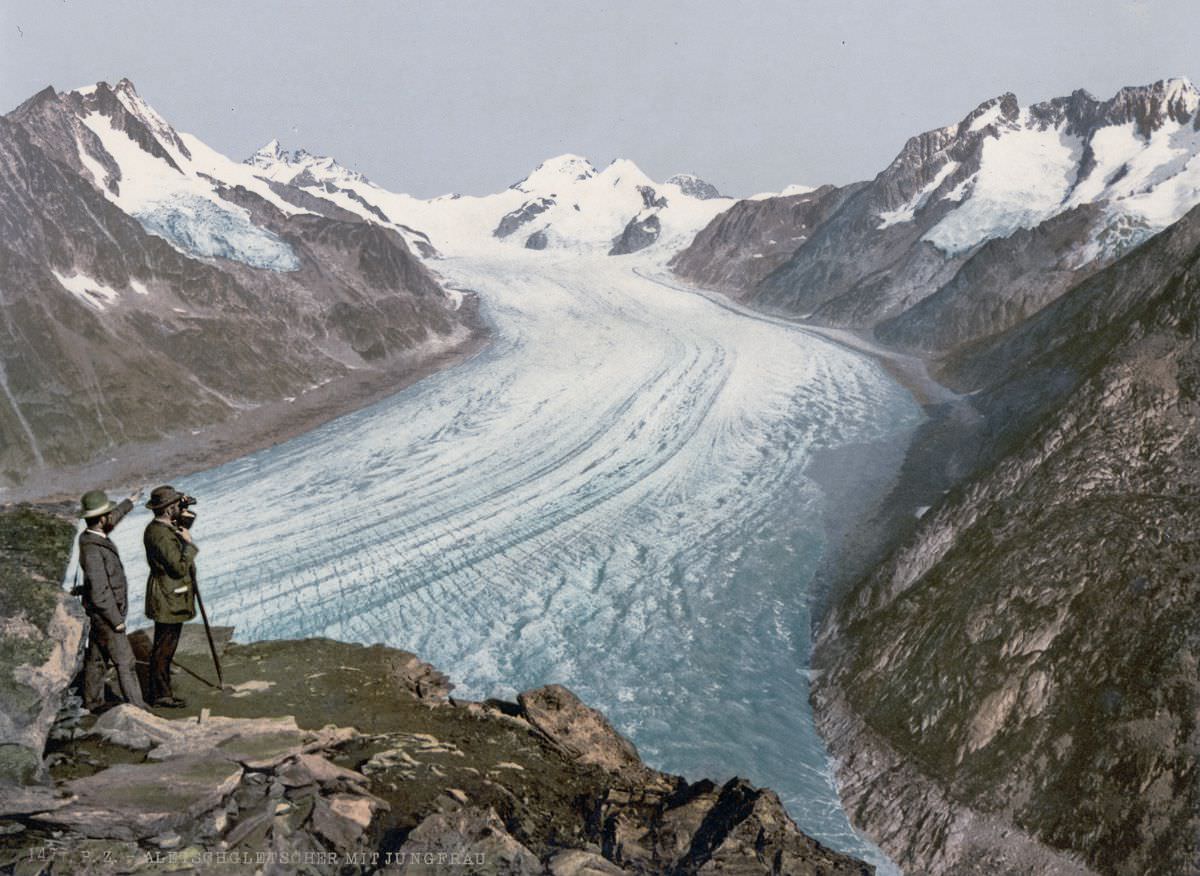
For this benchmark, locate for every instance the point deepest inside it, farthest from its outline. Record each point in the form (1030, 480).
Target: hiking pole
(208, 632)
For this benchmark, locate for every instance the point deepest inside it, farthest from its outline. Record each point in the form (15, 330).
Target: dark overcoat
(171, 587)
(105, 590)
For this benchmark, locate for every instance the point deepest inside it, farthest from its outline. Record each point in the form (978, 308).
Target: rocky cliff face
(742, 246)
(975, 226)
(1016, 686)
(142, 273)
(41, 637)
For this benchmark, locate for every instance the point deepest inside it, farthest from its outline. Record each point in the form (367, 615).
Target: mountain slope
(718, 258)
(1021, 672)
(140, 269)
(976, 226)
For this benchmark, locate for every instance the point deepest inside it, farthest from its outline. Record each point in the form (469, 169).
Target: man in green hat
(170, 589)
(106, 600)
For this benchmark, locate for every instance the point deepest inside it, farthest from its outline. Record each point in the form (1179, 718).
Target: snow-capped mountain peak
(269, 155)
(1006, 167)
(275, 163)
(555, 172)
(1000, 110)
(173, 184)
(625, 170)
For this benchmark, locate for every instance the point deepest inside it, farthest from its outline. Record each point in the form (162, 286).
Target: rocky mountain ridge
(137, 266)
(1013, 689)
(1033, 198)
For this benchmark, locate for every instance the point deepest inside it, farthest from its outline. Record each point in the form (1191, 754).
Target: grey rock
(43, 631)
(578, 729)
(578, 862)
(694, 187)
(314, 769)
(257, 742)
(523, 215)
(650, 198)
(1004, 283)
(471, 840)
(706, 828)
(639, 233)
(343, 819)
(740, 248)
(140, 801)
(28, 799)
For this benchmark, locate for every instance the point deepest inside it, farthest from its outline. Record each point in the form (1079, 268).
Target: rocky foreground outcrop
(1015, 689)
(41, 633)
(319, 756)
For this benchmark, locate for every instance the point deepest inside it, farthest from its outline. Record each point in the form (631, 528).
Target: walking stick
(208, 632)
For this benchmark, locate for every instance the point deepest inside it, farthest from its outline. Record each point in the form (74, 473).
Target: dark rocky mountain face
(1015, 687)
(640, 233)
(1005, 282)
(743, 245)
(120, 328)
(694, 187)
(976, 226)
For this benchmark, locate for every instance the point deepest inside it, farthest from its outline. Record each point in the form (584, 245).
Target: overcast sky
(439, 96)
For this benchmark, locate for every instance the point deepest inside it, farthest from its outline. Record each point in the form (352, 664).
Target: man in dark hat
(170, 589)
(106, 600)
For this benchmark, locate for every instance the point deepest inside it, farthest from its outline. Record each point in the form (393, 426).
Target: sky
(467, 96)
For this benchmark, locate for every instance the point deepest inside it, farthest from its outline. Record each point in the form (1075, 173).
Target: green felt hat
(95, 503)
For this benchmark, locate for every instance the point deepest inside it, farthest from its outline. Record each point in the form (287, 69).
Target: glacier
(197, 226)
(620, 494)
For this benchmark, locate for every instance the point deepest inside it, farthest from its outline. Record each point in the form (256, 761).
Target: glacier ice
(616, 495)
(198, 226)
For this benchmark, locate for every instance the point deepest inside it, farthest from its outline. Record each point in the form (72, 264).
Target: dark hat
(95, 503)
(161, 497)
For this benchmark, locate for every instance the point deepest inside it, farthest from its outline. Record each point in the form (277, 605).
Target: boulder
(580, 862)
(469, 840)
(17, 800)
(257, 742)
(578, 729)
(312, 769)
(140, 801)
(705, 828)
(342, 819)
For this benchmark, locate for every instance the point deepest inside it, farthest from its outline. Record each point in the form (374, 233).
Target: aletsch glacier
(617, 494)
(621, 493)
(612, 496)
